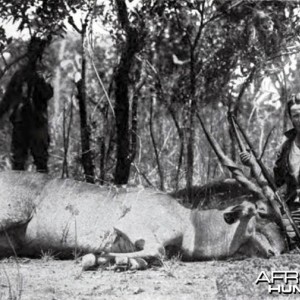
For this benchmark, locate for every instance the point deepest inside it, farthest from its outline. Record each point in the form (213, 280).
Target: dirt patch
(58, 280)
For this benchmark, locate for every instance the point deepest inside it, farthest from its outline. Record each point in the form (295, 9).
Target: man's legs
(295, 213)
(39, 144)
(19, 146)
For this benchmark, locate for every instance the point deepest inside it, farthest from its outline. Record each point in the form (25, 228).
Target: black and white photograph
(149, 149)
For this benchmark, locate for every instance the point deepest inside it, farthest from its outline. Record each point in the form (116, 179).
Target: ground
(47, 278)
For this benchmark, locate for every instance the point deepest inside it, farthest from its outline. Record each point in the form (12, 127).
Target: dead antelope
(39, 214)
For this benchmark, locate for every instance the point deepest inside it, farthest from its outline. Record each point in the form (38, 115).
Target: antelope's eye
(263, 215)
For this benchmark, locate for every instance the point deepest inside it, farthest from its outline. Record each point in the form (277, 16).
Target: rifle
(266, 174)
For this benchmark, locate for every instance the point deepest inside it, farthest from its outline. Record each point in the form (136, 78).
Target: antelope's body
(39, 213)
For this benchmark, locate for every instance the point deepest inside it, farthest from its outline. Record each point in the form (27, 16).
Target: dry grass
(11, 287)
(239, 281)
(176, 280)
(47, 256)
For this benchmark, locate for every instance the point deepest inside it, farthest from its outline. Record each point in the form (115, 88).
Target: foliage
(216, 53)
(35, 16)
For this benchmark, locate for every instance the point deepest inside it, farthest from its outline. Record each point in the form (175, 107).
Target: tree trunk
(122, 171)
(159, 167)
(134, 125)
(191, 128)
(57, 90)
(86, 154)
(102, 160)
(190, 148)
(284, 100)
(66, 138)
(121, 79)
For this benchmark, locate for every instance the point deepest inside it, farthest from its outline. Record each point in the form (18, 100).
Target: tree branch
(9, 65)
(72, 23)
(123, 15)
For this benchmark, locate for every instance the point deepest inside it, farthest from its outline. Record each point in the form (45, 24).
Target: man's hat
(293, 100)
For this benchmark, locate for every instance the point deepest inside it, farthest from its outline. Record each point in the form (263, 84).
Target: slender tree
(134, 37)
(86, 153)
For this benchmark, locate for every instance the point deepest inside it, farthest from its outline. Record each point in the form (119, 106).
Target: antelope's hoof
(137, 264)
(89, 262)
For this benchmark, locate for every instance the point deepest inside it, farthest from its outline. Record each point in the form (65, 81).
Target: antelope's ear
(139, 244)
(262, 209)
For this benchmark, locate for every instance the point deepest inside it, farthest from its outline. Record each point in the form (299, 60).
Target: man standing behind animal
(287, 165)
(26, 98)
